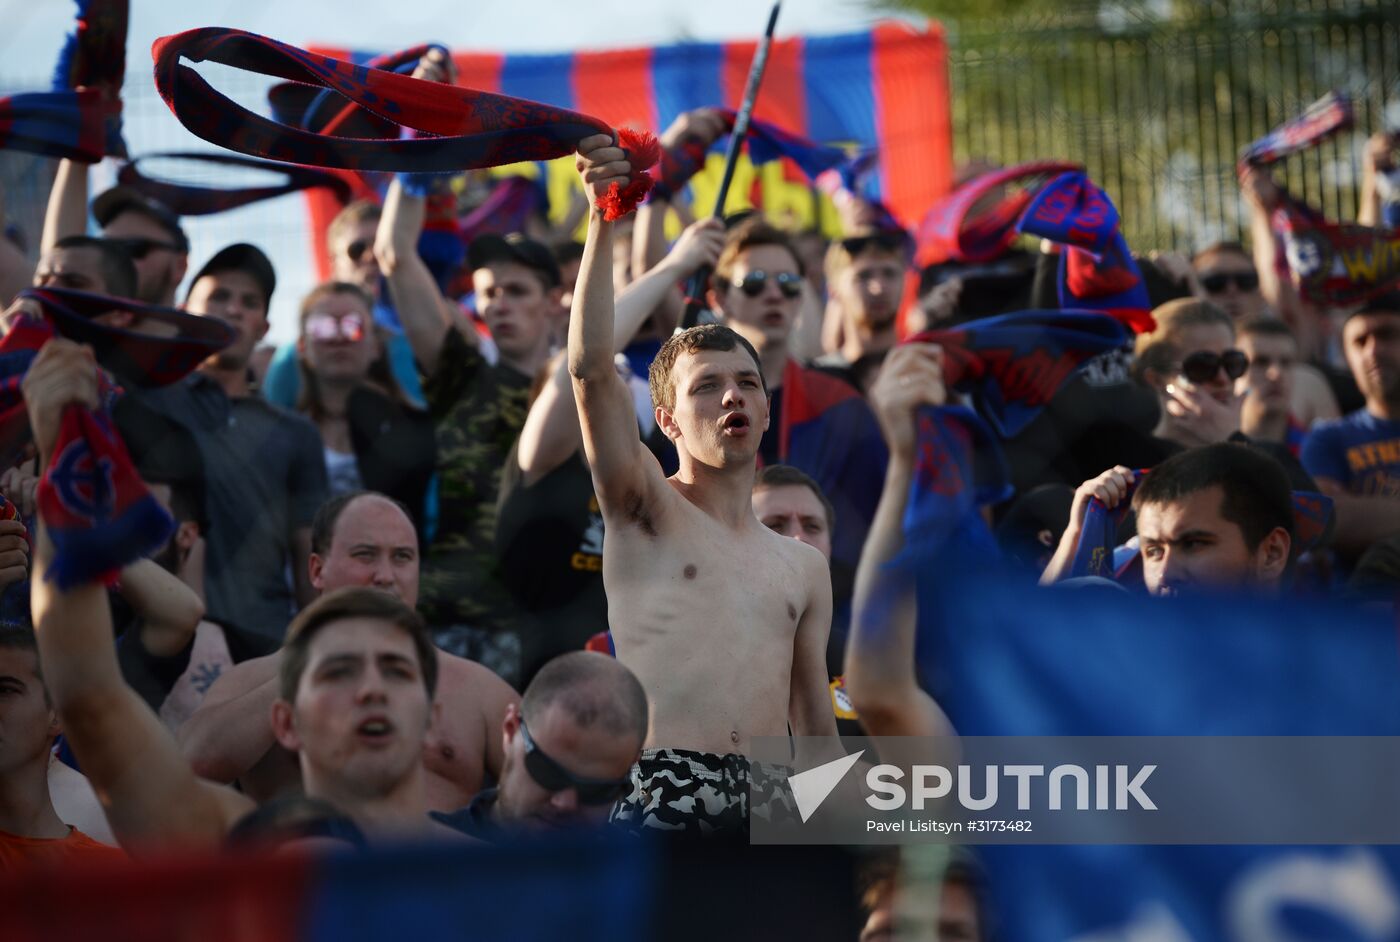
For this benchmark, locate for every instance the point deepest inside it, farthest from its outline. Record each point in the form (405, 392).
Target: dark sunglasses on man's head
(552, 776)
(357, 249)
(1246, 281)
(885, 241)
(754, 282)
(1203, 366)
(139, 248)
(323, 326)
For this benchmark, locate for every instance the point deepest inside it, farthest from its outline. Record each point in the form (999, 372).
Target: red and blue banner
(580, 887)
(886, 88)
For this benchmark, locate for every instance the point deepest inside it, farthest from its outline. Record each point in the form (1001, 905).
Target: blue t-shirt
(1360, 451)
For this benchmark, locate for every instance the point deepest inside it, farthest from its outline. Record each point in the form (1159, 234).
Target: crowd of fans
(532, 557)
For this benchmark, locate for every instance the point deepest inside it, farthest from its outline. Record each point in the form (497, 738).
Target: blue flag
(1003, 661)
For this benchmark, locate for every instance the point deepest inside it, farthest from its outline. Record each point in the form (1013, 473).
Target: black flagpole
(695, 288)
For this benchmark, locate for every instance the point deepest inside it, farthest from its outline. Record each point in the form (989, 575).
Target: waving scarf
(1014, 364)
(1097, 272)
(187, 200)
(766, 142)
(977, 221)
(1331, 263)
(1323, 118)
(462, 128)
(80, 118)
(97, 511)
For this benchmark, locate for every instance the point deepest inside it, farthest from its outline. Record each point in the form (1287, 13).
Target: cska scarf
(187, 200)
(1097, 272)
(461, 128)
(977, 222)
(1014, 364)
(1331, 263)
(80, 117)
(766, 142)
(94, 505)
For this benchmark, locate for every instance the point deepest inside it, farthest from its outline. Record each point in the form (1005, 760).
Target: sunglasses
(322, 326)
(885, 241)
(139, 248)
(1202, 366)
(1246, 281)
(357, 249)
(754, 282)
(552, 776)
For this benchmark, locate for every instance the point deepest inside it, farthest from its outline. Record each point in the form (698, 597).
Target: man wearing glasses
(820, 424)
(569, 748)
(1228, 278)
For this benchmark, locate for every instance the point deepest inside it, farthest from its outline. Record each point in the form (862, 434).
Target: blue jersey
(1359, 451)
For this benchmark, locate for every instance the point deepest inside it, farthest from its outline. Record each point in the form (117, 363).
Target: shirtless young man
(362, 539)
(355, 700)
(724, 621)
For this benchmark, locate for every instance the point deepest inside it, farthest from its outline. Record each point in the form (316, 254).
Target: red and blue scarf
(187, 200)
(91, 500)
(1097, 272)
(1014, 364)
(80, 118)
(766, 142)
(1313, 521)
(976, 223)
(461, 128)
(1331, 263)
(1323, 118)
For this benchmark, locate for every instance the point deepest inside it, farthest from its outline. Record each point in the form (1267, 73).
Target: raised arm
(169, 610)
(147, 789)
(66, 213)
(623, 470)
(1375, 161)
(551, 432)
(421, 307)
(880, 675)
(1112, 488)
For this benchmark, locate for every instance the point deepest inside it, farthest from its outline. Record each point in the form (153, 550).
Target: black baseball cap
(1385, 303)
(120, 199)
(517, 248)
(243, 257)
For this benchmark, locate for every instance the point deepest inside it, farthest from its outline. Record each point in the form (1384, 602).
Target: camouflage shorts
(702, 794)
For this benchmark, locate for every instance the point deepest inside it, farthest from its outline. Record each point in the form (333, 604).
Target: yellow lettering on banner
(1360, 265)
(792, 204)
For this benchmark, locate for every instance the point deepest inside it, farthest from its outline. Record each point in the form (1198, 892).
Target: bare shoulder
(461, 681)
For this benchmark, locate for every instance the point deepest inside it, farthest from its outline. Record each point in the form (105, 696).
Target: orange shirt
(20, 852)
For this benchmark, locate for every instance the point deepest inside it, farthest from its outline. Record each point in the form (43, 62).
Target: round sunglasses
(754, 282)
(1203, 366)
(323, 326)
